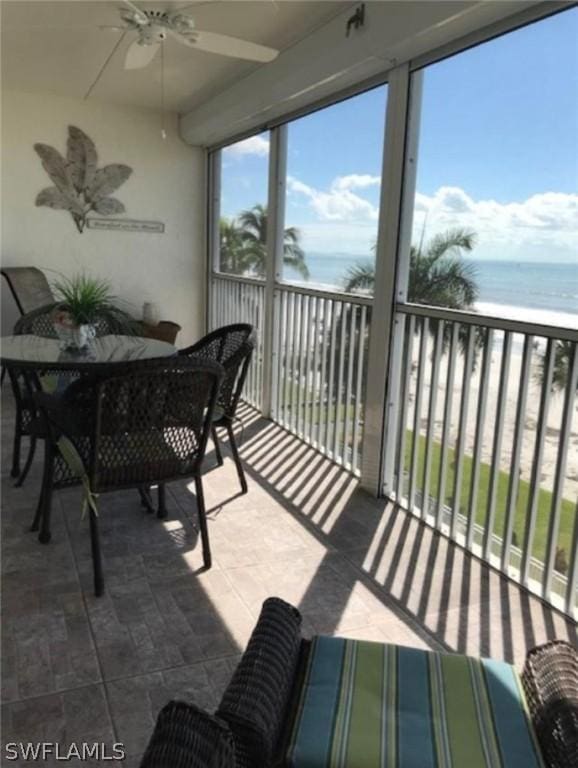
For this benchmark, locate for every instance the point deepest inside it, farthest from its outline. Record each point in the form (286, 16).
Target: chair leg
(96, 558)
(42, 517)
(162, 508)
(207, 560)
(28, 463)
(237, 458)
(145, 499)
(218, 453)
(15, 471)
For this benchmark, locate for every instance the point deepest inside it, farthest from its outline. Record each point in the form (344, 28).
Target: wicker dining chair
(232, 346)
(132, 425)
(39, 322)
(28, 286)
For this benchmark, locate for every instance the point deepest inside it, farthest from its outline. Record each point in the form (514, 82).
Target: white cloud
(254, 145)
(339, 203)
(356, 181)
(544, 225)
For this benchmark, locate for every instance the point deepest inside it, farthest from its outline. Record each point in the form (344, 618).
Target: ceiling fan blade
(139, 56)
(224, 45)
(140, 14)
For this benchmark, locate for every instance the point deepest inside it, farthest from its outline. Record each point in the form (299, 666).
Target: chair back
(144, 422)
(232, 347)
(28, 286)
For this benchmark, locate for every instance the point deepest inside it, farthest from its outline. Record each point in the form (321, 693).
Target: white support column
(213, 234)
(385, 277)
(274, 267)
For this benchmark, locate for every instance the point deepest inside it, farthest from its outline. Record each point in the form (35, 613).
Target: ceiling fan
(153, 27)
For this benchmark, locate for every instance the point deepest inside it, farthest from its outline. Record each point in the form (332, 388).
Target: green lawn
(567, 513)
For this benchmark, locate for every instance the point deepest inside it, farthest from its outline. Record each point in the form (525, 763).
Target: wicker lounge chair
(287, 696)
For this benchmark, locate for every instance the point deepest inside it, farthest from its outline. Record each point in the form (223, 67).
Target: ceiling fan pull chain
(163, 131)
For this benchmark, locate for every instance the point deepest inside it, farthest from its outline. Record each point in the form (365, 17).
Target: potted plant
(83, 302)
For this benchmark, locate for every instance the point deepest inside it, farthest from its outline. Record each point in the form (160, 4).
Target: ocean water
(552, 288)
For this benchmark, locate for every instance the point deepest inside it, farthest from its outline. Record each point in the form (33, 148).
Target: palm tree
(254, 226)
(437, 275)
(563, 359)
(233, 256)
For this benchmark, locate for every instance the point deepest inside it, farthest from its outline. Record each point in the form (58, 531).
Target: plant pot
(71, 336)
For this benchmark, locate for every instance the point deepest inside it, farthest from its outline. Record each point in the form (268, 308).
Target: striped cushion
(368, 705)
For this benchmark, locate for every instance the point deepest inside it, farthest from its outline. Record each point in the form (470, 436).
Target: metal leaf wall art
(79, 186)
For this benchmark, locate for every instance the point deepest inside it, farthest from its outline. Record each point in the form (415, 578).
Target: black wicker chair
(231, 346)
(550, 680)
(133, 426)
(39, 322)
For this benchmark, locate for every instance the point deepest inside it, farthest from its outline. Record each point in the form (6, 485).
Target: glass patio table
(39, 353)
(41, 365)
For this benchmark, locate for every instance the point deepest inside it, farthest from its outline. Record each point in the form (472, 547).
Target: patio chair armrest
(187, 737)
(257, 701)
(550, 680)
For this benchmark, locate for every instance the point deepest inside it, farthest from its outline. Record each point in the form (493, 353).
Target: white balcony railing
(242, 300)
(479, 440)
(320, 349)
(482, 421)
(319, 360)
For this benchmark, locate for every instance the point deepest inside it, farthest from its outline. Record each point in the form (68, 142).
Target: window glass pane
(243, 224)
(497, 177)
(333, 183)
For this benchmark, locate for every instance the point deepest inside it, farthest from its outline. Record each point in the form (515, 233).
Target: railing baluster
(560, 475)
(537, 463)
(282, 361)
(330, 425)
(417, 412)
(497, 444)
(323, 402)
(305, 326)
(408, 333)
(479, 438)
(340, 385)
(514, 479)
(295, 384)
(358, 389)
(447, 423)
(462, 427)
(572, 583)
(308, 378)
(346, 416)
(290, 341)
(433, 399)
(315, 401)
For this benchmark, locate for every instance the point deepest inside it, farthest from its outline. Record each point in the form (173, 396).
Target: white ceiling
(57, 47)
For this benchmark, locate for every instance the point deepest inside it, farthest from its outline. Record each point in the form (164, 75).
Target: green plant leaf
(81, 157)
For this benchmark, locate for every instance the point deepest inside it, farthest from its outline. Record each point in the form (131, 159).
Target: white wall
(167, 184)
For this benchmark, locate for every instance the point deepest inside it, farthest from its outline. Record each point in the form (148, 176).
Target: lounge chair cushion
(366, 704)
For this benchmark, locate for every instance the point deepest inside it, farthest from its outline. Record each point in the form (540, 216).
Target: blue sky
(498, 154)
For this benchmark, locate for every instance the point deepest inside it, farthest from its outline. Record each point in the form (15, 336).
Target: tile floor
(80, 668)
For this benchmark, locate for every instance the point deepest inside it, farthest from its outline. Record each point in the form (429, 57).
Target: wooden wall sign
(126, 225)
